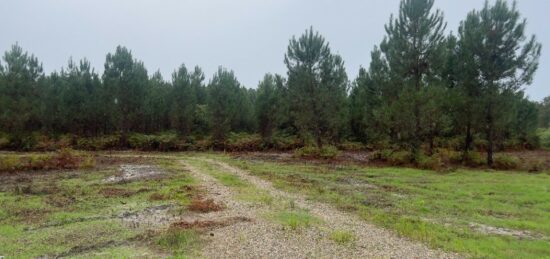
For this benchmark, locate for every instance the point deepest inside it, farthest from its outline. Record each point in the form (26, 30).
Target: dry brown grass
(205, 206)
(208, 224)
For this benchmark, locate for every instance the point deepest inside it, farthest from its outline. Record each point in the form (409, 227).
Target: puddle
(486, 229)
(134, 172)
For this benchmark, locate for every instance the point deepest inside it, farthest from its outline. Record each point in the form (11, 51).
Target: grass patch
(294, 220)
(342, 237)
(181, 242)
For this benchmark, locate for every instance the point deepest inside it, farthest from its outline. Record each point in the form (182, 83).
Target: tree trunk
(467, 141)
(489, 133)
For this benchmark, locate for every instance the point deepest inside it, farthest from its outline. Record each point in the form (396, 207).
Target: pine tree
(223, 98)
(126, 83)
(184, 101)
(366, 99)
(23, 78)
(414, 51)
(505, 61)
(266, 106)
(317, 84)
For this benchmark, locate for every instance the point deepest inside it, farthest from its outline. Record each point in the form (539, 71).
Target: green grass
(342, 237)
(181, 242)
(294, 220)
(56, 213)
(430, 207)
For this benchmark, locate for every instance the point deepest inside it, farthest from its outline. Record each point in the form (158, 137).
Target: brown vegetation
(205, 206)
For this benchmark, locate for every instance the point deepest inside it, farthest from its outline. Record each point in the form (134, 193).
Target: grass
(434, 208)
(181, 242)
(66, 213)
(342, 237)
(294, 220)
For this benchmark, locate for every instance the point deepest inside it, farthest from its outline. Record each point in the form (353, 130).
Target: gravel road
(262, 238)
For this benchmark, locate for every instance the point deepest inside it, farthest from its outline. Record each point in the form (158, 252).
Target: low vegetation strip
(443, 210)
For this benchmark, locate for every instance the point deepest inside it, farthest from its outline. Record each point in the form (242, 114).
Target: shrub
(454, 157)
(352, 146)
(506, 162)
(286, 142)
(307, 152)
(9, 163)
(474, 159)
(63, 159)
(163, 142)
(432, 162)
(203, 144)
(326, 152)
(381, 155)
(400, 158)
(98, 143)
(544, 137)
(243, 142)
(329, 152)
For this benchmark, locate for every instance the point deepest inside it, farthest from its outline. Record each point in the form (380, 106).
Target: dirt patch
(116, 192)
(158, 197)
(205, 206)
(30, 215)
(209, 224)
(60, 201)
(129, 173)
(486, 229)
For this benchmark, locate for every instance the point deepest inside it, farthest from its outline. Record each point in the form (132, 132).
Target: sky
(249, 37)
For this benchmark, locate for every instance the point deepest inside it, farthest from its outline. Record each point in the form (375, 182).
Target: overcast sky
(247, 36)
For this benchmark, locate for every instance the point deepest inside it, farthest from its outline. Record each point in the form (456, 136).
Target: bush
(285, 142)
(400, 158)
(98, 143)
(162, 142)
(544, 137)
(63, 159)
(505, 162)
(474, 159)
(381, 155)
(243, 142)
(433, 162)
(326, 152)
(352, 146)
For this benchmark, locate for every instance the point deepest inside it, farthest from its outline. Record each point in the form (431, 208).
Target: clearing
(218, 206)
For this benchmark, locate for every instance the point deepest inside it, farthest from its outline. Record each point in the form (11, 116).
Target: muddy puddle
(129, 173)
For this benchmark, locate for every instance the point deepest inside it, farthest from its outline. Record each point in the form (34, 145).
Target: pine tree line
(424, 89)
